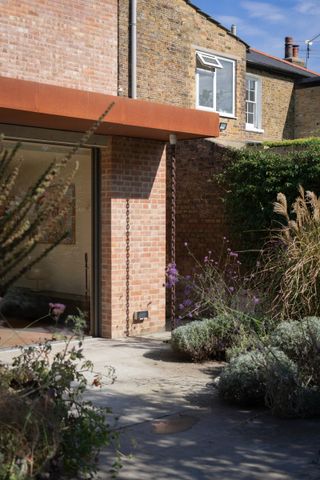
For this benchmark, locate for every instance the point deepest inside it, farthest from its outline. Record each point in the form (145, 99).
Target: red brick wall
(67, 43)
(200, 218)
(134, 169)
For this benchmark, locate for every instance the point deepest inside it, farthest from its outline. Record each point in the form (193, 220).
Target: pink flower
(56, 310)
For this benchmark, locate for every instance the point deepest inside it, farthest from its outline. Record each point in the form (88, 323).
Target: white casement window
(215, 77)
(253, 104)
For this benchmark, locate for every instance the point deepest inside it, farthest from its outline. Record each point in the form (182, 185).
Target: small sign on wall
(140, 316)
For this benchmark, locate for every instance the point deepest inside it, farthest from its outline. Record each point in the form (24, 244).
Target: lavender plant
(216, 286)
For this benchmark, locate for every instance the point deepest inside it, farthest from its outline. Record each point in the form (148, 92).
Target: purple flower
(234, 254)
(206, 259)
(185, 244)
(187, 302)
(231, 289)
(56, 310)
(172, 275)
(229, 250)
(255, 300)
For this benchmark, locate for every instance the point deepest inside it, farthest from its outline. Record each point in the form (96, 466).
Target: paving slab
(173, 425)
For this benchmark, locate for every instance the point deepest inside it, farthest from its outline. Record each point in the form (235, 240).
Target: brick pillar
(133, 169)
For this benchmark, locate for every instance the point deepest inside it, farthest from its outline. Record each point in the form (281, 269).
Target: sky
(264, 24)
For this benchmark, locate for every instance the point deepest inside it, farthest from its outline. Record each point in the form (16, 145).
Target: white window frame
(213, 70)
(214, 63)
(257, 127)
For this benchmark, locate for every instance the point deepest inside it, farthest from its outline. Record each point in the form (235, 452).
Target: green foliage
(290, 266)
(300, 341)
(304, 142)
(253, 179)
(45, 424)
(242, 381)
(204, 339)
(249, 378)
(283, 373)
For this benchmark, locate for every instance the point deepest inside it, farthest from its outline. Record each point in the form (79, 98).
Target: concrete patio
(201, 437)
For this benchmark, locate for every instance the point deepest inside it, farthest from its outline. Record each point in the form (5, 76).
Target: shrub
(252, 180)
(289, 337)
(242, 381)
(300, 342)
(290, 271)
(216, 286)
(247, 379)
(46, 427)
(204, 339)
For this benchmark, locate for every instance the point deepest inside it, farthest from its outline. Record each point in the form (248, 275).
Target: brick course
(168, 35)
(277, 107)
(201, 219)
(133, 169)
(71, 44)
(307, 117)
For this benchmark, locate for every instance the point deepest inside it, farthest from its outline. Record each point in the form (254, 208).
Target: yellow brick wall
(277, 106)
(307, 112)
(168, 34)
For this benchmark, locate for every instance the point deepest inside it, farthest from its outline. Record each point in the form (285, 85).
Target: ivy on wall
(252, 179)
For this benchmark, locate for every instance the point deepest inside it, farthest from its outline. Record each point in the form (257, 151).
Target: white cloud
(309, 7)
(264, 10)
(244, 28)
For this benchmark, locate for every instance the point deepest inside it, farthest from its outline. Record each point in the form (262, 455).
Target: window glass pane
(205, 88)
(250, 107)
(225, 87)
(250, 118)
(252, 96)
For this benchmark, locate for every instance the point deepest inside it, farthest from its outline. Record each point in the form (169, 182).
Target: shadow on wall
(200, 220)
(289, 126)
(135, 167)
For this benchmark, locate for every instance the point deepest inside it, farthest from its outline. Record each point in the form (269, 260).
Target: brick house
(58, 73)
(63, 62)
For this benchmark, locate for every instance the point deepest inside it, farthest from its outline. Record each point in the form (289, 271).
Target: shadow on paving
(222, 443)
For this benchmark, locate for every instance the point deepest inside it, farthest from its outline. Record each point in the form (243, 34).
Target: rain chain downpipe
(173, 143)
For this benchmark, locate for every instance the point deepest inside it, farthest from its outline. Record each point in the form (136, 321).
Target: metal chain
(173, 232)
(127, 267)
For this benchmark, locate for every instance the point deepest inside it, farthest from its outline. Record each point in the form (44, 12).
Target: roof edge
(299, 67)
(213, 20)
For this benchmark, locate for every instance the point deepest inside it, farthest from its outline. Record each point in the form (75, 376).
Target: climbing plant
(252, 179)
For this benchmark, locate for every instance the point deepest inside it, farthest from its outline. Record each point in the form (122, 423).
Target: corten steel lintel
(47, 106)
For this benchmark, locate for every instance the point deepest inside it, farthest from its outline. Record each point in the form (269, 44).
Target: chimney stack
(295, 51)
(291, 52)
(234, 30)
(288, 48)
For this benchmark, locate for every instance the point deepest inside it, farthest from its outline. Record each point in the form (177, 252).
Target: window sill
(222, 115)
(249, 128)
(225, 115)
